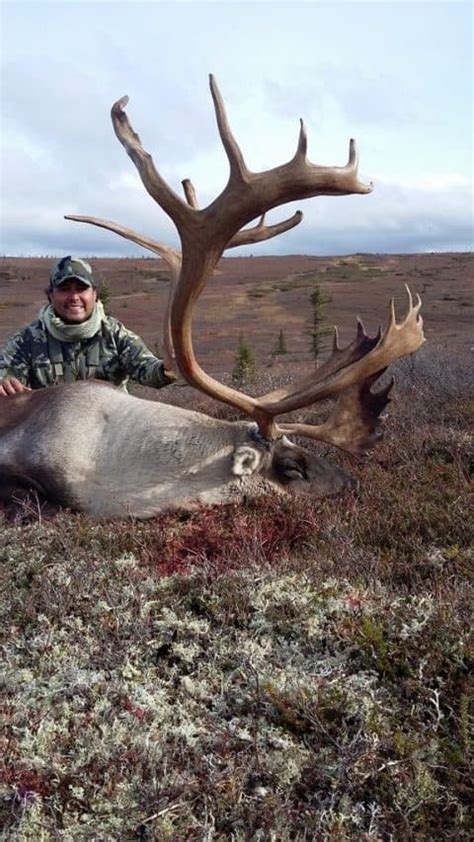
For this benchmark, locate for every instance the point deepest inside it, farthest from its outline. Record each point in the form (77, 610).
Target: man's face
(73, 301)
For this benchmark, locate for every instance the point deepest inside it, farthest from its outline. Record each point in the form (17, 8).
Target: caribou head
(99, 450)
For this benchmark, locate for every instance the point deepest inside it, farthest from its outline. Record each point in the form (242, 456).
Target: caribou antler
(206, 233)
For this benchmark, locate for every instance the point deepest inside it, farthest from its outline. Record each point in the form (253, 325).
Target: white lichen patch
(203, 704)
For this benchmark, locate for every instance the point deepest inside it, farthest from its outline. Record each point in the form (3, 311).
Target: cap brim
(84, 281)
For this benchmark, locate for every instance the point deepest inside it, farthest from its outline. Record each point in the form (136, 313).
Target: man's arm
(138, 362)
(14, 366)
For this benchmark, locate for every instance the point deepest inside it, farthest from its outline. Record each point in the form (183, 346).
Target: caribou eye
(288, 469)
(295, 473)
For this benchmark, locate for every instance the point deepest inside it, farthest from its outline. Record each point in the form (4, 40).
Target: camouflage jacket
(115, 354)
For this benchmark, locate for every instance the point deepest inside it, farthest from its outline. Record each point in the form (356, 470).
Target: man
(73, 339)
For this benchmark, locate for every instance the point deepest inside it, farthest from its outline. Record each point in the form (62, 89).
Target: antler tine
(171, 256)
(302, 148)
(260, 231)
(153, 182)
(190, 193)
(236, 159)
(353, 154)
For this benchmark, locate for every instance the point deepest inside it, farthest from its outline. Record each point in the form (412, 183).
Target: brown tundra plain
(278, 670)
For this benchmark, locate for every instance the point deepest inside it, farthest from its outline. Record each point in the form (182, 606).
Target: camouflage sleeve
(138, 361)
(15, 359)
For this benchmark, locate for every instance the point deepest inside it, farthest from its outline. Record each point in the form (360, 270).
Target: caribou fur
(96, 449)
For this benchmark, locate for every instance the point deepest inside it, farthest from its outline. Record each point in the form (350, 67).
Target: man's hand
(11, 386)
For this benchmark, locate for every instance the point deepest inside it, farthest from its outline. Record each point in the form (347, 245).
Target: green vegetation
(280, 670)
(104, 294)
(345, 270)
(301, 280)
(280, 347)
(338, 270)
(317, 330)
(245, 368)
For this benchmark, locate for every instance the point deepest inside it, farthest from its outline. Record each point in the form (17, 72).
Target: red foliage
(263, 531)
(137, 712)
(25, 781)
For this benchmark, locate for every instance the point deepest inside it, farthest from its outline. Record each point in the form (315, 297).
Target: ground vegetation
(280, 670)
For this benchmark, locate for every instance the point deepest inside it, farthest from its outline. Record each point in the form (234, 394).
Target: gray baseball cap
(71, 267)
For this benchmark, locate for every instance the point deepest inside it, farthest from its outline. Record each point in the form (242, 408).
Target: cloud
(372, 72)
(358, 98)
(396, 217)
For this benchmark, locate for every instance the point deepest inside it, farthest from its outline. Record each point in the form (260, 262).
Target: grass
(278, 670)
(302, 280)
(359, 271)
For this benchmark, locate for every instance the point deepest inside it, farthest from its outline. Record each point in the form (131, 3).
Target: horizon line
(245, 256)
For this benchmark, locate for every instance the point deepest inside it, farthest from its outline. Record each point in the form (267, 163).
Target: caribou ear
(246, 460)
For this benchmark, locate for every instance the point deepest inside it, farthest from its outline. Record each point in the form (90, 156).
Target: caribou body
(98, 450)
(127, 456)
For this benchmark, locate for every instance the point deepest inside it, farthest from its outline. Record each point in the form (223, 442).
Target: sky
(397, 76)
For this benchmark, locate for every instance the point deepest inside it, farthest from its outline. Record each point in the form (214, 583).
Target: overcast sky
(397, 76)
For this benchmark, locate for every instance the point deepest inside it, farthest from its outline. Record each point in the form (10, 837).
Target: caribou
(98, 450)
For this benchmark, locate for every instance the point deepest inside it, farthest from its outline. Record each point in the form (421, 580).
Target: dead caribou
(98, 450)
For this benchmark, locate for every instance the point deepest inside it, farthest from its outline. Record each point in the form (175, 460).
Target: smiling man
(73, 339)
